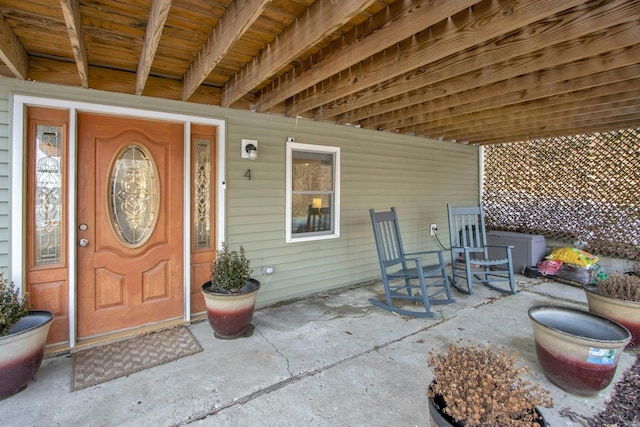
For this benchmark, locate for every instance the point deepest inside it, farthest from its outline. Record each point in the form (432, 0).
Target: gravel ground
(624, 407)
(622, 410)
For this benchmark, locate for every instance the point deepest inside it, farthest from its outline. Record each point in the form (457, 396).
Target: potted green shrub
(476, 386)
(23, 335)
(230, 295)
(617, 297)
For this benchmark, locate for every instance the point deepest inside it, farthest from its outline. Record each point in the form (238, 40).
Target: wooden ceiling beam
(12, 53)
(73, 20)
(505, 122)
(322, 19)
(157, 17)
(614, 66)
(565, 129)
(485, 21)
(604, 118)
(390, 95)
(65, 73)
(599, 112)
(584, 96)
(388, 27)
(237, 19)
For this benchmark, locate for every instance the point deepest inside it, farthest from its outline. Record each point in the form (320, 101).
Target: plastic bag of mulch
(575, 256)
(549, 267)
(574, 275)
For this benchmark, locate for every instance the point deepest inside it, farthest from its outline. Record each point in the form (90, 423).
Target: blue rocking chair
(399, 269)
(468, 246)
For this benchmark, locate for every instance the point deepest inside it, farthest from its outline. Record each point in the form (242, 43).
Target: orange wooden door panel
(47, 269)
(202, 187)
(120, 284)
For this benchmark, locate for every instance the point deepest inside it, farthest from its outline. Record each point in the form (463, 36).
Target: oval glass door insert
(134, 195)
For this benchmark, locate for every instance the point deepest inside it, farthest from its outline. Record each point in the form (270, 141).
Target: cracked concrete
(329, 360)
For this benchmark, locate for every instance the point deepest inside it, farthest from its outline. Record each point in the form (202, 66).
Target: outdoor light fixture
(249, 149)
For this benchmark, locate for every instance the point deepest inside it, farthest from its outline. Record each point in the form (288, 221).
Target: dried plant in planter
(635, 269)
(481, 387)
(13, 307)
(621, 286)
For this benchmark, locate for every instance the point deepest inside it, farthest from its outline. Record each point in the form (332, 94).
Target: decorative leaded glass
(48, 198)
(202, 196)
(134, 195)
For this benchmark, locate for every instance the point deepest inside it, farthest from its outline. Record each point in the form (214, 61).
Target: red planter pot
(21, 351)
(230, 314)
(578, 350)
(627, 313)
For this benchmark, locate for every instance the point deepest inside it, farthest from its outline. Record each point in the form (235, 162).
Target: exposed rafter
(397, 24)
(237, 19)
(12, 52)
(482, 71)
(157, 17)
(482, 23)
(322, 19)
(71, 12)
(515, 50)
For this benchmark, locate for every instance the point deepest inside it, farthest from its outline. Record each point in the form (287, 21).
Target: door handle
(84, 242)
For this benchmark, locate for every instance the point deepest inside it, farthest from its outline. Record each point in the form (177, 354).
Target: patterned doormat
(100, 364)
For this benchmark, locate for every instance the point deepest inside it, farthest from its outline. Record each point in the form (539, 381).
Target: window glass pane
(134, 196)
(312, 213)
(312, 174)
(202, 196)
(48, 197)
(312, 171)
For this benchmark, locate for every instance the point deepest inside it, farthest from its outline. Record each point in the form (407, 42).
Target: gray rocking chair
(398, 266)
(468, 246)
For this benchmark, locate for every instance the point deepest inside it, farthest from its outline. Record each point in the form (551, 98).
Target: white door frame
(18, 186)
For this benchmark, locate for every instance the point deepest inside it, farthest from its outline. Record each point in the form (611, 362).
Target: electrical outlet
(434, 229)
(267, 270)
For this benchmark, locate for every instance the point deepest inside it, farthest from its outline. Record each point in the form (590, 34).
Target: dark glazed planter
(230, 314)
(440, 419)
(627, 313)
(22, 350)
(578, 350)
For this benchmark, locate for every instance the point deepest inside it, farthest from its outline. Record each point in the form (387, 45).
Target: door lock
(84, 242)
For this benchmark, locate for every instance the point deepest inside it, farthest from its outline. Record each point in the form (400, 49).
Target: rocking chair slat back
(398, 278)
(468, 238)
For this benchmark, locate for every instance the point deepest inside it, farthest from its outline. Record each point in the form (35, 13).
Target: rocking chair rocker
(468, 246)
(398, 266)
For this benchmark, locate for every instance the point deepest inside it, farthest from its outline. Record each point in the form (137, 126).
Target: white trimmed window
(313, 192)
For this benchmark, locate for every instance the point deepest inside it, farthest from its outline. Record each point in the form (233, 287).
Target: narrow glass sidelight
(48, 195)
(134, 195)
(202, 194)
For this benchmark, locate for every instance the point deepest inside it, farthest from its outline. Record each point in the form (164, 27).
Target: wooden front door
(130, 223)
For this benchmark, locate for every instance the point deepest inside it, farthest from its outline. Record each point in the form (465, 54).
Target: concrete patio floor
(328, 360)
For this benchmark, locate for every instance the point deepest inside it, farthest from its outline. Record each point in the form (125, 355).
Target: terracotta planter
(439, 419)
(230, 314)
(578, 350)
(21, 351)
(627, 313)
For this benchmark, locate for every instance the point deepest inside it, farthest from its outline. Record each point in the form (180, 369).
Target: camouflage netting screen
(583, 190)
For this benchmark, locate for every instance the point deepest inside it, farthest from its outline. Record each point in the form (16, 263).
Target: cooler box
(528, 249)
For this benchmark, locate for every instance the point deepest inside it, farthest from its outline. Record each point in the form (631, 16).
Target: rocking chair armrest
(506, 247)
(438, 251)
(416, 260)
(468, 249)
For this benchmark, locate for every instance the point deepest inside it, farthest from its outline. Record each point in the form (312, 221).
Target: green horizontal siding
(5, 183)
(378, 170)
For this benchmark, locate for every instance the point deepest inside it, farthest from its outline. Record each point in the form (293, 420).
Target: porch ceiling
(482, 72)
